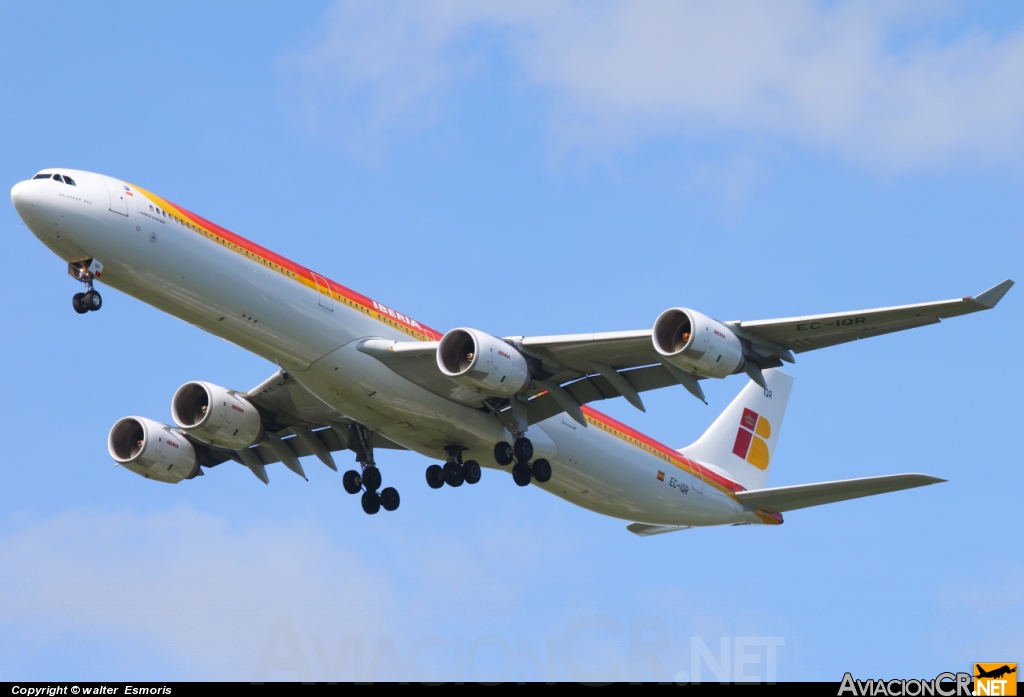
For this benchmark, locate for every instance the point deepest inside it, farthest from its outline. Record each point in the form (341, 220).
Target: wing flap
(790, 498)
(596, 387)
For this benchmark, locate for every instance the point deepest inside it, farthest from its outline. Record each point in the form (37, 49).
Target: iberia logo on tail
(750, 443)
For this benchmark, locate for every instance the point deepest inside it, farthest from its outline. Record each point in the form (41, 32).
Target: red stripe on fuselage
(298, 269)
(707, 474)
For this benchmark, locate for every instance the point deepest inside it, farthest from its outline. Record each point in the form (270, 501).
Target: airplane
(995, 673)
(354, 374)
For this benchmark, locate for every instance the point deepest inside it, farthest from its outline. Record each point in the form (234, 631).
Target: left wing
(771, 338)
(570, 370)
(820, 331)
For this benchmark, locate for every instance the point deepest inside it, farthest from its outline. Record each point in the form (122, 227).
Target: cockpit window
(69, 180)
(57, 177)
(42, 176)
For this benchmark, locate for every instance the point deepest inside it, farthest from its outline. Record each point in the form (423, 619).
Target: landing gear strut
(455, 472)
(90, 300)
(369, 479)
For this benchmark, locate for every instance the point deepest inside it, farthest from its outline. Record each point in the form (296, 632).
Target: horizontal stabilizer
(645, 530)
(790, 498)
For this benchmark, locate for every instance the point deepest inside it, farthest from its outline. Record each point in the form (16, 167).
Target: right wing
(790, 498)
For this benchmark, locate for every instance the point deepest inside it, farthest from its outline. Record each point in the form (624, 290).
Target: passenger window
(151, 208)
(69, 180)
(57, 177)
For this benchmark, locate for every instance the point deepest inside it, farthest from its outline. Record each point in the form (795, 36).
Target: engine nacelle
(696, 343)
(152, 449)
(216, 415)
(483, 363)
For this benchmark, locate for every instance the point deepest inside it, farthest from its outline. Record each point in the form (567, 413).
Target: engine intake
(216, 415)
(696, 343)
(152, 449)
(483, 363)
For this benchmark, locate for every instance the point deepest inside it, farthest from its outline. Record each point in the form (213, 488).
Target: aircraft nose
(21, 197)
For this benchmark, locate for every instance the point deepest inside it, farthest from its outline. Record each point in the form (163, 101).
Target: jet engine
(697, 344)
(216, 415)
(152, 449)
(483, 363)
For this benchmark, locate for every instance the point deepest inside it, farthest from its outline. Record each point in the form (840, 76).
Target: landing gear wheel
(521, 473)
(350, 480)
(541, 470)
(471, 471)
(91, 301)
(503, 454)
(76, 302)
(371, 478)
(371, 502)
(523, 450)
(389, 499)
(435, 477)
(453, 474)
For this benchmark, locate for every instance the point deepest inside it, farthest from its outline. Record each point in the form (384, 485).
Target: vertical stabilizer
(741, 441)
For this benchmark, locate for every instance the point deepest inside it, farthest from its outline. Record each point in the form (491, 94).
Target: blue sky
(527, 169)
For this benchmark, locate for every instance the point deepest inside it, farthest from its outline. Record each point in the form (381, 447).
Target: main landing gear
(369, 480)
(521, 452)
(90, 300)
(454, 472)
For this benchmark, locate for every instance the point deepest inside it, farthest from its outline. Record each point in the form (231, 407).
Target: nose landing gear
(85, 272)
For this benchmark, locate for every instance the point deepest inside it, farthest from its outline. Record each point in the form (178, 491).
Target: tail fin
(741, 441)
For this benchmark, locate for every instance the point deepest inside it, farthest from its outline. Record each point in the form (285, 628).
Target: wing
(812, 332)
(573, 369)
(297, 425)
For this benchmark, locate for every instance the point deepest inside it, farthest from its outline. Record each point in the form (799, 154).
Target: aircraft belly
(597, 471)
(362, 388)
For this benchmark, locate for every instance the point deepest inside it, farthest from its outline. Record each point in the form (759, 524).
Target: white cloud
(180, 592)
(875, 83)
(179, 584)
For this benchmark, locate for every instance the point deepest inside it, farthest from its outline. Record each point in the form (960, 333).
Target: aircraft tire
(92, 301)
(523, 450)
(503, 454)
(471, 471)
(435, 477)
(541, 470)
(453, 474)
(371, 478)
(371, 502)
(521, 474)
(390, 499)
(76, 302)
(350, 480)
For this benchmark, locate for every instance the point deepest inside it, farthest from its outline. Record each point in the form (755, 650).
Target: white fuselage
(184, 265)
